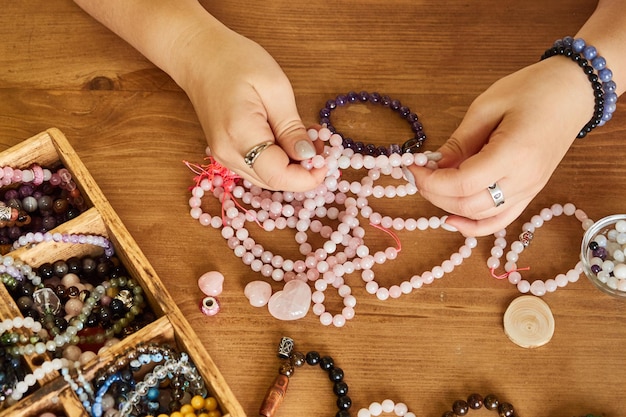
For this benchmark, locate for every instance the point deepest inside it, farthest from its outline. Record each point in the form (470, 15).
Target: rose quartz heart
(211, 283)
(258, 293)
(292, 303)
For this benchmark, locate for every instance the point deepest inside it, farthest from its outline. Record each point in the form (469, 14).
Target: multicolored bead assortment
(148, 380)
(38, 200)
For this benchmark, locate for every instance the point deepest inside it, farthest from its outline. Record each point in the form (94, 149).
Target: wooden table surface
(132, 127)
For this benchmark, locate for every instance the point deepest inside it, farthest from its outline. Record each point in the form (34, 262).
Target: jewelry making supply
(476, 402)
(258, 293)
(538, 287)
(339, 202)
(605, 255)
(31, 238)
(292, 359)
(209, 306)
(412, 145)
(385, 406)
(528, 322)
(600, 77)
(211, 283)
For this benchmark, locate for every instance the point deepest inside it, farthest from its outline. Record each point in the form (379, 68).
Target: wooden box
(51, 148)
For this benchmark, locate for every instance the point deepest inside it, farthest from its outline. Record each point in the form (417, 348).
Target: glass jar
(604, 229)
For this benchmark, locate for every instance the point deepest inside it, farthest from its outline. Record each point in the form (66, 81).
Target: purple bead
(325, 112)
(595, 268)
(417, 127)
(404, 111)
(331, 104)
(26, 190)
(326, 121)
(374, 97)
(600, 253)
(348, 143)
(382, 150)
(11, 195)
(358, 147)
(364, 96)
(385, 101)
(395, 148)
(353, 97)
(341, 100)
(412, 117)
(370, 149)
(395, 104)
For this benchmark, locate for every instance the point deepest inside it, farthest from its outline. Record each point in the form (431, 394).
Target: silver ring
(496, 194)
(254, 153)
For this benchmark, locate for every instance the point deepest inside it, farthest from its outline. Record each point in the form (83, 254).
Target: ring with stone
(496, 194)
(254, 153)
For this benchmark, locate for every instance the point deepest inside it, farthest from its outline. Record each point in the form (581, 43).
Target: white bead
(620, 271)
(387, 405)
(376, 409)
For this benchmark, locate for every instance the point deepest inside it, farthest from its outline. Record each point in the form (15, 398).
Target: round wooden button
(528, 322)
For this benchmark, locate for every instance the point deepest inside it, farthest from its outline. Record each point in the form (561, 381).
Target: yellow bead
(186, 409)
(163, 415)
(210, 403)
(190, 414)
(177, 414)
(203, 414)
(215, 413)
(197, 402)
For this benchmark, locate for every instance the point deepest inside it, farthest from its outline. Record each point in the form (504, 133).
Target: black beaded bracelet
(292, 359)
(598, 93)
(412, 145)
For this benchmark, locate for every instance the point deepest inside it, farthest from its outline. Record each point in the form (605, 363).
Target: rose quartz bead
(258, 293)
(211, 283)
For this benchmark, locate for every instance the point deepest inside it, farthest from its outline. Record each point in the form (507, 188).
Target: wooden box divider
(51, 149)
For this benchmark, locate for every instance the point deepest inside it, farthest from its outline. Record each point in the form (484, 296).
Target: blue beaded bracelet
(594, 65)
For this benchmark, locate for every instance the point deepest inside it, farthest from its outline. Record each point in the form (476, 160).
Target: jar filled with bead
(603, 254)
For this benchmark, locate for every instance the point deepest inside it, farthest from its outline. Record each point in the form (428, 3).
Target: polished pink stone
(211, 283)
(258, 293)
(292, 303)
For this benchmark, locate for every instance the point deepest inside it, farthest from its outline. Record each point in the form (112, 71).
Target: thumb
(285, 122)
(295, 141)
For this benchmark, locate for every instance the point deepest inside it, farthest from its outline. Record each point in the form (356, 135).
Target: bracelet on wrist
(600, 77)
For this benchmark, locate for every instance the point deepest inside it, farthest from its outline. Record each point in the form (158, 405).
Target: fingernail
(432, 165)
(408, 175)
(433, 156)
(304, 149)
(446, 226)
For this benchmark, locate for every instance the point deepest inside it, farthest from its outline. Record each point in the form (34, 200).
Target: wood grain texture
(132, 127)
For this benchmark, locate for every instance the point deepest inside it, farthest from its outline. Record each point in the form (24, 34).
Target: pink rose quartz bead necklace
(336, 202)
(513, 274)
